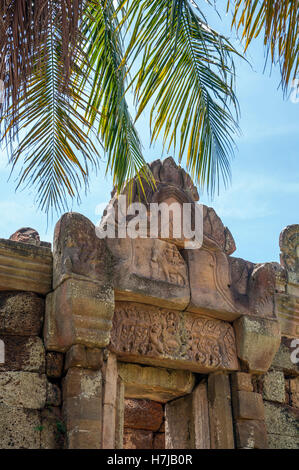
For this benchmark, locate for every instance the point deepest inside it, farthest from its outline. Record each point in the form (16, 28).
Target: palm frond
(278, 22)
(107, 106)
(188, 73)
(55, 151)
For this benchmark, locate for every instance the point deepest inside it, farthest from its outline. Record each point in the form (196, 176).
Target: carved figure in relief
(156, 345)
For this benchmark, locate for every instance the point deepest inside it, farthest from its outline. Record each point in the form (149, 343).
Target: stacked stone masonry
(144, 344)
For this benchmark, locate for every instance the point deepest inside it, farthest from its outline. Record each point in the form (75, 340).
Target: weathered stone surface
(24, 353)
(120, 414)
(277, 441)
(179, 425)
(138, 439)
(261, 290)
(220, 412)
(25, 267)
(150, 271)
(81, 356)
(274, 386)
(78, 312)
(251, 434)
(210, 282)
(110, 402)
(281, 420)
(200, 413)
(79, 253)
(187, 421)
(159, 441)
(289, 256)
(248, 405)
(257, 340)
(241, 381)
(53, 395)
(240, 271)
(26, 235)
(287, 311)
(294, 389)
(214, 230)
(143, 414)
(172, 188)
(21, 313)
(26, 389)
(282, 359)
(82, 408)
(52, 429)
(179, 340)
(54, 364)
(155, 383)
(19, 428)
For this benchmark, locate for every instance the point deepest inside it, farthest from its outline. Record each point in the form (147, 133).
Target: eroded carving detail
(146, 334)
(289, 246)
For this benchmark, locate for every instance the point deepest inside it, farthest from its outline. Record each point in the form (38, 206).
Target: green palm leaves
(67, 68)
(279, 22)
(188, 73)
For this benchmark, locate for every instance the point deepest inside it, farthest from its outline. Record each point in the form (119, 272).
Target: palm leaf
(188, 73)
(55, 151)
(107, 107)
(278, 22)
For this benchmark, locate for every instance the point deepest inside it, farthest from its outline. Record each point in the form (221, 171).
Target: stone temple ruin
(139, 343)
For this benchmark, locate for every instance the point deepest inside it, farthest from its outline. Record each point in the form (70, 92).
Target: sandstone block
(82, 408)
(143, 414)
(81, 356)
(287, 311)
(262, 285)
(187, 421)
(21, 313)
(54, 364)
(258, 340)
(78, 312)
(248, 405)
(251, 434)
(23, 389)
(159, 441)
(150, 271)
(241, 381)
(282, 359)
(155, 383)
(19, 428)
(172, 339)
(220, 412)
(274, 386)
(209, 275)
(294, 389)
(24, 267)
(23, 353)
(79, 253)
(138, 439)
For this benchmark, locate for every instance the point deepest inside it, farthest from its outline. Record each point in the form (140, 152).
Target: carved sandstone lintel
(178, 340)
(150, 271)
(289, 247)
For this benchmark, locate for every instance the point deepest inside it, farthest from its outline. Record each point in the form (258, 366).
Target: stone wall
(30, 394)
(140, 343)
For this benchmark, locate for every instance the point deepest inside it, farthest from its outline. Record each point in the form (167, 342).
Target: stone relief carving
(146, 334)
(289, 247)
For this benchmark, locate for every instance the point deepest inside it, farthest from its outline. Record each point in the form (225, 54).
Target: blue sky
(264, 194)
